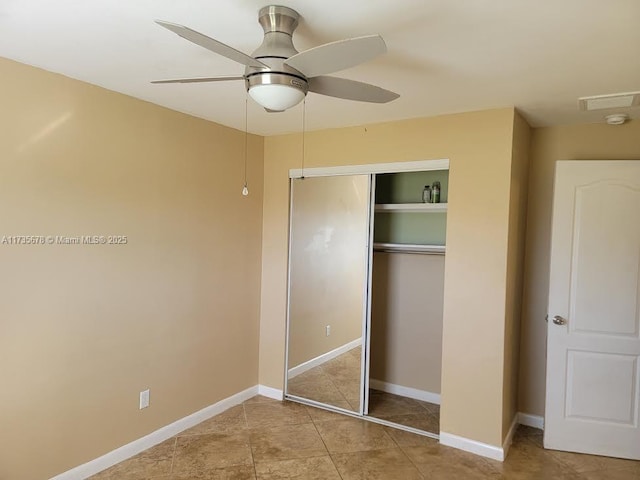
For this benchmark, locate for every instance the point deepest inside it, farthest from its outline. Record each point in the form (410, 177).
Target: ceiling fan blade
(199, 80)
(350, 90)
(212, 45)
(335, 56)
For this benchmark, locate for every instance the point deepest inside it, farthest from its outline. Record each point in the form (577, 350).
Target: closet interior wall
(406, 321)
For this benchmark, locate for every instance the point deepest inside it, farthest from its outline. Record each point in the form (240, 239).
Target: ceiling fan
(278, 77)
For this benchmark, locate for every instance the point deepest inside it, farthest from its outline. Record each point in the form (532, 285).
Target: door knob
(558, 320)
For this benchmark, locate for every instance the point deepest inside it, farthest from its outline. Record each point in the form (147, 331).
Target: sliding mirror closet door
(328, 261)
(407, 299)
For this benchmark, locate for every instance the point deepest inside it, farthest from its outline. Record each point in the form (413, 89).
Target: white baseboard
(325, 357)
(405, 391)
(270, 392)
(509, 438)
(129, 450)
(477, 448)
(535, 421)
(491, 451)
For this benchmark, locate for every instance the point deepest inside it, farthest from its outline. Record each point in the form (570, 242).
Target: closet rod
(409, 248)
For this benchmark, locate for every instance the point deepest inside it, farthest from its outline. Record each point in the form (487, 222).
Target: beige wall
(83, 329)
(577, 142)
(328, 264)
(479, 145)
(515, 268)
(406, 319)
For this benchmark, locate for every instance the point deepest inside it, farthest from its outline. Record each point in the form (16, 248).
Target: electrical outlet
(328, 330)
(144, 399)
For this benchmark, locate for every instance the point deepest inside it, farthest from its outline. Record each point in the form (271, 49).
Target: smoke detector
(616, 118)
(615, 100)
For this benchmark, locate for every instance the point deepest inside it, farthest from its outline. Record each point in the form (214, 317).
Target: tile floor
(405, 411)
(264, 439)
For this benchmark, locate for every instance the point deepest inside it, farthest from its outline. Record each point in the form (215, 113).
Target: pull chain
(304, 127)
(245, 189)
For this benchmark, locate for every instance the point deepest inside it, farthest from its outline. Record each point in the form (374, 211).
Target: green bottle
(435, 192)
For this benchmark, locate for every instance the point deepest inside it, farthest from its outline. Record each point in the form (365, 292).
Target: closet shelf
(411, 207)
(409, 248)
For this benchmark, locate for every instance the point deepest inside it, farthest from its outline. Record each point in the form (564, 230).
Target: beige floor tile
(320, 390)
(527, 461)
(382, 405)
(321, 415)
(313, 375)
(354, 402)
(350, 389)
(353, 435)
(356, 353)
(528, 434)
(153, 462)
(196, 454)
(232, 420)
(438, 462)
(525, 431)
(629, 473)
(239, 472)
(315, 468)
(430, 407)
(261, 399)
(408, 439)
(344, 368)
(582, 463)
(288, 442)
(578, 462)
(336, 382)
(422, 421)
(387, 464)
(275, 414)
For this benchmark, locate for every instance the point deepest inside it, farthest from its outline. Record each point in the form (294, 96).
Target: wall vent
(615, 100)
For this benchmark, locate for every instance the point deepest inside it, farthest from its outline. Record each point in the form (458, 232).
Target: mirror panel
(327, 288)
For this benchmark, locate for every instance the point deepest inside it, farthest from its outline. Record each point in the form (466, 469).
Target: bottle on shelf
(435, 192)
(426, 194)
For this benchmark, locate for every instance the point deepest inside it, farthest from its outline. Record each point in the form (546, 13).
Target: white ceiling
(444, 56)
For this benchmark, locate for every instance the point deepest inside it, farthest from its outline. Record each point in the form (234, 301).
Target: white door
(593, 338)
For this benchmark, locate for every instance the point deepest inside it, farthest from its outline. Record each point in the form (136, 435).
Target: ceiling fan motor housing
(278, 24)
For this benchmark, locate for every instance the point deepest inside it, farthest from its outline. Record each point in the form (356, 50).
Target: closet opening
(407, 298)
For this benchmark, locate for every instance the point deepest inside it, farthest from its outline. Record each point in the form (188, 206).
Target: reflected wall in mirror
(327, 288)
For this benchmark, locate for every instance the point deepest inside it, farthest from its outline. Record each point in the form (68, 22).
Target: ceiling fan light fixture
(276, 97)
(276, 91)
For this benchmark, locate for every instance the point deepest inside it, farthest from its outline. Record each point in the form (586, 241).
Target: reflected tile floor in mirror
(264, 439)
(404, 411)
(336, 382)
